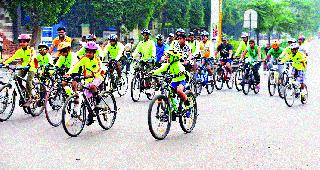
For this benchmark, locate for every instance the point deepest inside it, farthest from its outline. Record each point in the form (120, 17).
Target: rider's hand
(66, 75)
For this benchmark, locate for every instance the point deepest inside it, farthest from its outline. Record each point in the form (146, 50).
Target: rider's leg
(29, 83)
(256, 73)
(119, 70)
(181, 94)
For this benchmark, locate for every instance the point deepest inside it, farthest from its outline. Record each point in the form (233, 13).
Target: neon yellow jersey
(147, 49)
(299, 60)
(24, 55)
(115, 51)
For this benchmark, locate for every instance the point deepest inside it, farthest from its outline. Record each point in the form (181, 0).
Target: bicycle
(112, 82)
(141, 82)
(56, 97)
(248, 80)
(275, 80)
(167, 107)
(221, 76)
(75, 108)
(201, 77)
(293, 91)
(12, 88)
(284, 77)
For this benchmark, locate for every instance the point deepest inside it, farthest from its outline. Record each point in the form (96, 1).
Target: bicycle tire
(183, 118)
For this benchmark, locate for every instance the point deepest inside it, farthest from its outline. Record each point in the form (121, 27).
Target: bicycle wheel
(305, 93)
(289, 95)
(188, 118)
(210, 84)
(135, 88)
(38, 94)
(284, 81)
(219, 75)
(159, 119)
(271, 84)
(230, 82)
(7, 102)
(122, 85)
(246, 86)
(54, 102)
(106, 116)
(73, 116)
(238, 79)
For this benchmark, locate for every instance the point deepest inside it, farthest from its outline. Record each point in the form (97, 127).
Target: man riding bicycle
(82, 51)
(225, 50)
(254, 56)
(274, 55)
(114, 50)
(243, 45)
(90, 66)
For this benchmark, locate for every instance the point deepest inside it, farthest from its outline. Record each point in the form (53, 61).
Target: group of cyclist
(176, 55)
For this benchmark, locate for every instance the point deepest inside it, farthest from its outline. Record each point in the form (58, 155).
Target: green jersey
(275, 54)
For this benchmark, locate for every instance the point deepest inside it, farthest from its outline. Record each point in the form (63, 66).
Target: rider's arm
(120, 52)
(154, 50)
(283, 60)
(243, 54)
(135, 54)
(163, 68)
(239, 49)
(75, 68)
(259, 53)
(81, 52)
(16, 55)
(230, 51)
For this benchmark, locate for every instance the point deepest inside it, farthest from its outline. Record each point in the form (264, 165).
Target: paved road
(234, 131)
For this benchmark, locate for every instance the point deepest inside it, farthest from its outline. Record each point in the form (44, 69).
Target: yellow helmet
(63, 45)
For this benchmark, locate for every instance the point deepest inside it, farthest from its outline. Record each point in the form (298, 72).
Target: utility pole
(216, 19)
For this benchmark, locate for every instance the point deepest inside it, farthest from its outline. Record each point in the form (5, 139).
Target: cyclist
(90, 66)
(194, 44)
(160, 49)
(302, 46)
(114, 50)
(44, 58)
(145, 48)
(243, 45)
(128, 50)
(170, 39)
(182, 46)
(254, 55)
(82, 51)
(274, 55)
(62, 37)
(299, 65)
(206, 46)
(176, 69)
(225, 50)
(25, 53)
(287, 50)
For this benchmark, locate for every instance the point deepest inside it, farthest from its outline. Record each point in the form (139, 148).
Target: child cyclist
(25, 53)
(90, 66)
(178, 71)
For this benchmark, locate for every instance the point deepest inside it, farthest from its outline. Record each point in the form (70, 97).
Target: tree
(41, 13)
(177, 13)
(196, 14)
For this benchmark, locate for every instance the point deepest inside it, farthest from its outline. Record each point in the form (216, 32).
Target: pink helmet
(91, 45)
(24, 37)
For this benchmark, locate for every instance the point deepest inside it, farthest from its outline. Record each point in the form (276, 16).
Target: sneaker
(90, 120)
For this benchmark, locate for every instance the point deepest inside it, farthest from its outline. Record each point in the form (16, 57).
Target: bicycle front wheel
(188, 118)
(55, 100)
(122, 85)
(107, 115)
(135, 88)
(289, 95)
(159, 119)
(238, 79)
(219, 77)
(7, 102)
(73, 116)
(38, 94)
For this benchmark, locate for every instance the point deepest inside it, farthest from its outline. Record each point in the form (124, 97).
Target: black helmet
(145, 31)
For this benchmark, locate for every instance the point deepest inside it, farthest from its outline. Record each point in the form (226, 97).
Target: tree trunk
(36, 31)
(269, 37)
(257, 34)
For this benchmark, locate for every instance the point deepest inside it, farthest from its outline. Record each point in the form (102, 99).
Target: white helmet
(244, 35)
(294, 46)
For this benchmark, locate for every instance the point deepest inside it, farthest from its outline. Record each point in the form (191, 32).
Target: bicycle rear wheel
(305, 95)
(188, 118)
(38, 94)
(73, 116)
(246, 86)
(7, 102)
(159, 119)
(230, 82)
(107, 115)
(210, 84)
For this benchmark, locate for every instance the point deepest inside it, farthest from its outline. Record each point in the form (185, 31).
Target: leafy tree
(196, 14)
(42, 13)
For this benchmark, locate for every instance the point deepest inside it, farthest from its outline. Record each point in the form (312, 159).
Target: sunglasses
(43, 49)
(64, 50)
(91, 51)
(23, 41)
(61, 32)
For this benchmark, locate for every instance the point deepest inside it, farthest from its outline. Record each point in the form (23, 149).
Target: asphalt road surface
(233, 131)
